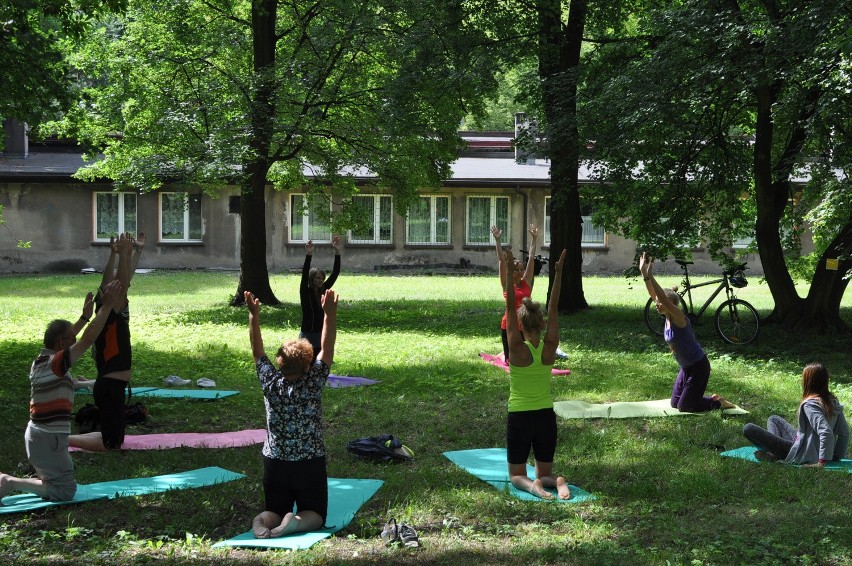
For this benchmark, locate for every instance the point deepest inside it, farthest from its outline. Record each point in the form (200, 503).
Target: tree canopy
(34, 82)
(252, 92)
(713, 115)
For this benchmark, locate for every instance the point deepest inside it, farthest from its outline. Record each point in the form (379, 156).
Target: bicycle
(737, 322)
(539, 261)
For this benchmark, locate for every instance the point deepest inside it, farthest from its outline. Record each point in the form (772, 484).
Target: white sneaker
(205, 382)
(175, 381)
(560, 354)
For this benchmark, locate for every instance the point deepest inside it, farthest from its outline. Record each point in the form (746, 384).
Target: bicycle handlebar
(736, 269)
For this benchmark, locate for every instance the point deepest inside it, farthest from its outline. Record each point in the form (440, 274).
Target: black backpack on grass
(384, 448)
(88, 418)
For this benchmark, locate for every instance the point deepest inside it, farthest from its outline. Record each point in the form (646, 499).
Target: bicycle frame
(723, 284)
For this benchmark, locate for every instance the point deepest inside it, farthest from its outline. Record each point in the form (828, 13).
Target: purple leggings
(689, 387)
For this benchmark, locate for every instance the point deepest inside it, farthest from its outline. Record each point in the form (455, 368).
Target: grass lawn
(664, 495)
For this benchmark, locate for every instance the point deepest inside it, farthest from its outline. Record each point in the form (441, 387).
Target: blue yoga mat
(489, 465)
(747, 453)
(345, 497)
(175, 393)
(125, 488)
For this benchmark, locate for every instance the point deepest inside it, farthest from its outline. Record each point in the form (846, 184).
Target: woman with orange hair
(294, 466)
(823, 433)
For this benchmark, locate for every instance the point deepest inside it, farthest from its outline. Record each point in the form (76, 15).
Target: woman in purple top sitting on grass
(691, 382)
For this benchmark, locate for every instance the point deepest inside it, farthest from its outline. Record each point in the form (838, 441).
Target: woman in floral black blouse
(294, 467)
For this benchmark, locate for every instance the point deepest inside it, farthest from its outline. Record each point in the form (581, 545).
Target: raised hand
(560, 262)
(309, 248)
(496, 232)
(252, 302)
(329, 302)
(88, 306)
(335, 243)
(533, 230)
(646, 263)
(510, 262)
(111, 294)
(139, 242)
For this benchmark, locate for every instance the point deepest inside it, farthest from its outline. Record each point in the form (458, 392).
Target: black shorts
(536, 429)
(303, 483)
(109, 398)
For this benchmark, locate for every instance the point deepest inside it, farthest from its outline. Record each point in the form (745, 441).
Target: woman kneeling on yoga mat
(694, 374)
(823, 434)
(294, 467)
(531, 421)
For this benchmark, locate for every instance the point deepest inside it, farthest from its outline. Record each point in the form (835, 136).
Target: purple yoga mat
(190, 440)
(348, 381)
(500, 362)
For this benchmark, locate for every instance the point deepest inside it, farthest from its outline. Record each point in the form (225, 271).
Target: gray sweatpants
(48, 454)
(778, 439)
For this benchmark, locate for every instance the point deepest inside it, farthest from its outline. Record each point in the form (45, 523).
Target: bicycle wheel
(737, 322)
(654, 320)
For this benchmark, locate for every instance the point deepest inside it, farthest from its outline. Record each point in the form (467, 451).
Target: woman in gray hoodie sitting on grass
(823, 433)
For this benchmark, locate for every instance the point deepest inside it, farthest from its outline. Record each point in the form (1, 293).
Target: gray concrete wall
(58, 219)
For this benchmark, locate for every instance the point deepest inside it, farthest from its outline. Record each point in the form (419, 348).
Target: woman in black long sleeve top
(311, 289)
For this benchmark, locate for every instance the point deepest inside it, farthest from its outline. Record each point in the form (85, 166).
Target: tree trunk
(772, 198)
(822, 306)
(558, 62)
(254, 273)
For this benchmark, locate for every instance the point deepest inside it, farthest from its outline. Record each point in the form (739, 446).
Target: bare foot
(5, 485)
(725, 404)
(287, 526)
(538, 489)
(259, 529)
(562, 488)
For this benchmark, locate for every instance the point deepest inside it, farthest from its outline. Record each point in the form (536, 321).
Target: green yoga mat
(624, 410)
(175, 393)
(345, 497)
(125, 488)
(489, 465)
(747, 453)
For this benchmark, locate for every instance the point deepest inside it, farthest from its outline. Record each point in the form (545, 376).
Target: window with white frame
(591, 236)
(482, 213)
(428, 221)
(378, 210)
(115, 213)
(180, 217)
(307, 221)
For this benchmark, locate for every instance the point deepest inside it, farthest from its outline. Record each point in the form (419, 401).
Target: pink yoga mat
(500, 362)
(190, 440)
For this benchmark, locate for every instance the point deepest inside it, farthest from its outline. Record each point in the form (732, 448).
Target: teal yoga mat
(489, 465)
(747, 453)
(176, 393)
(625, 410)
(345, 497)
(125, 488)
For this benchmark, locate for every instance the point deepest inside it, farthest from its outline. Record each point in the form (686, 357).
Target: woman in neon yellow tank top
(531, 422)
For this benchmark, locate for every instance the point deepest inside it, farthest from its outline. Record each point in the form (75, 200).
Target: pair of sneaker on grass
(402, 533)
(175, 381)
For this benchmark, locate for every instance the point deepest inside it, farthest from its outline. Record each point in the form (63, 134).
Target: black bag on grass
(88, 419)
(384, 448)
